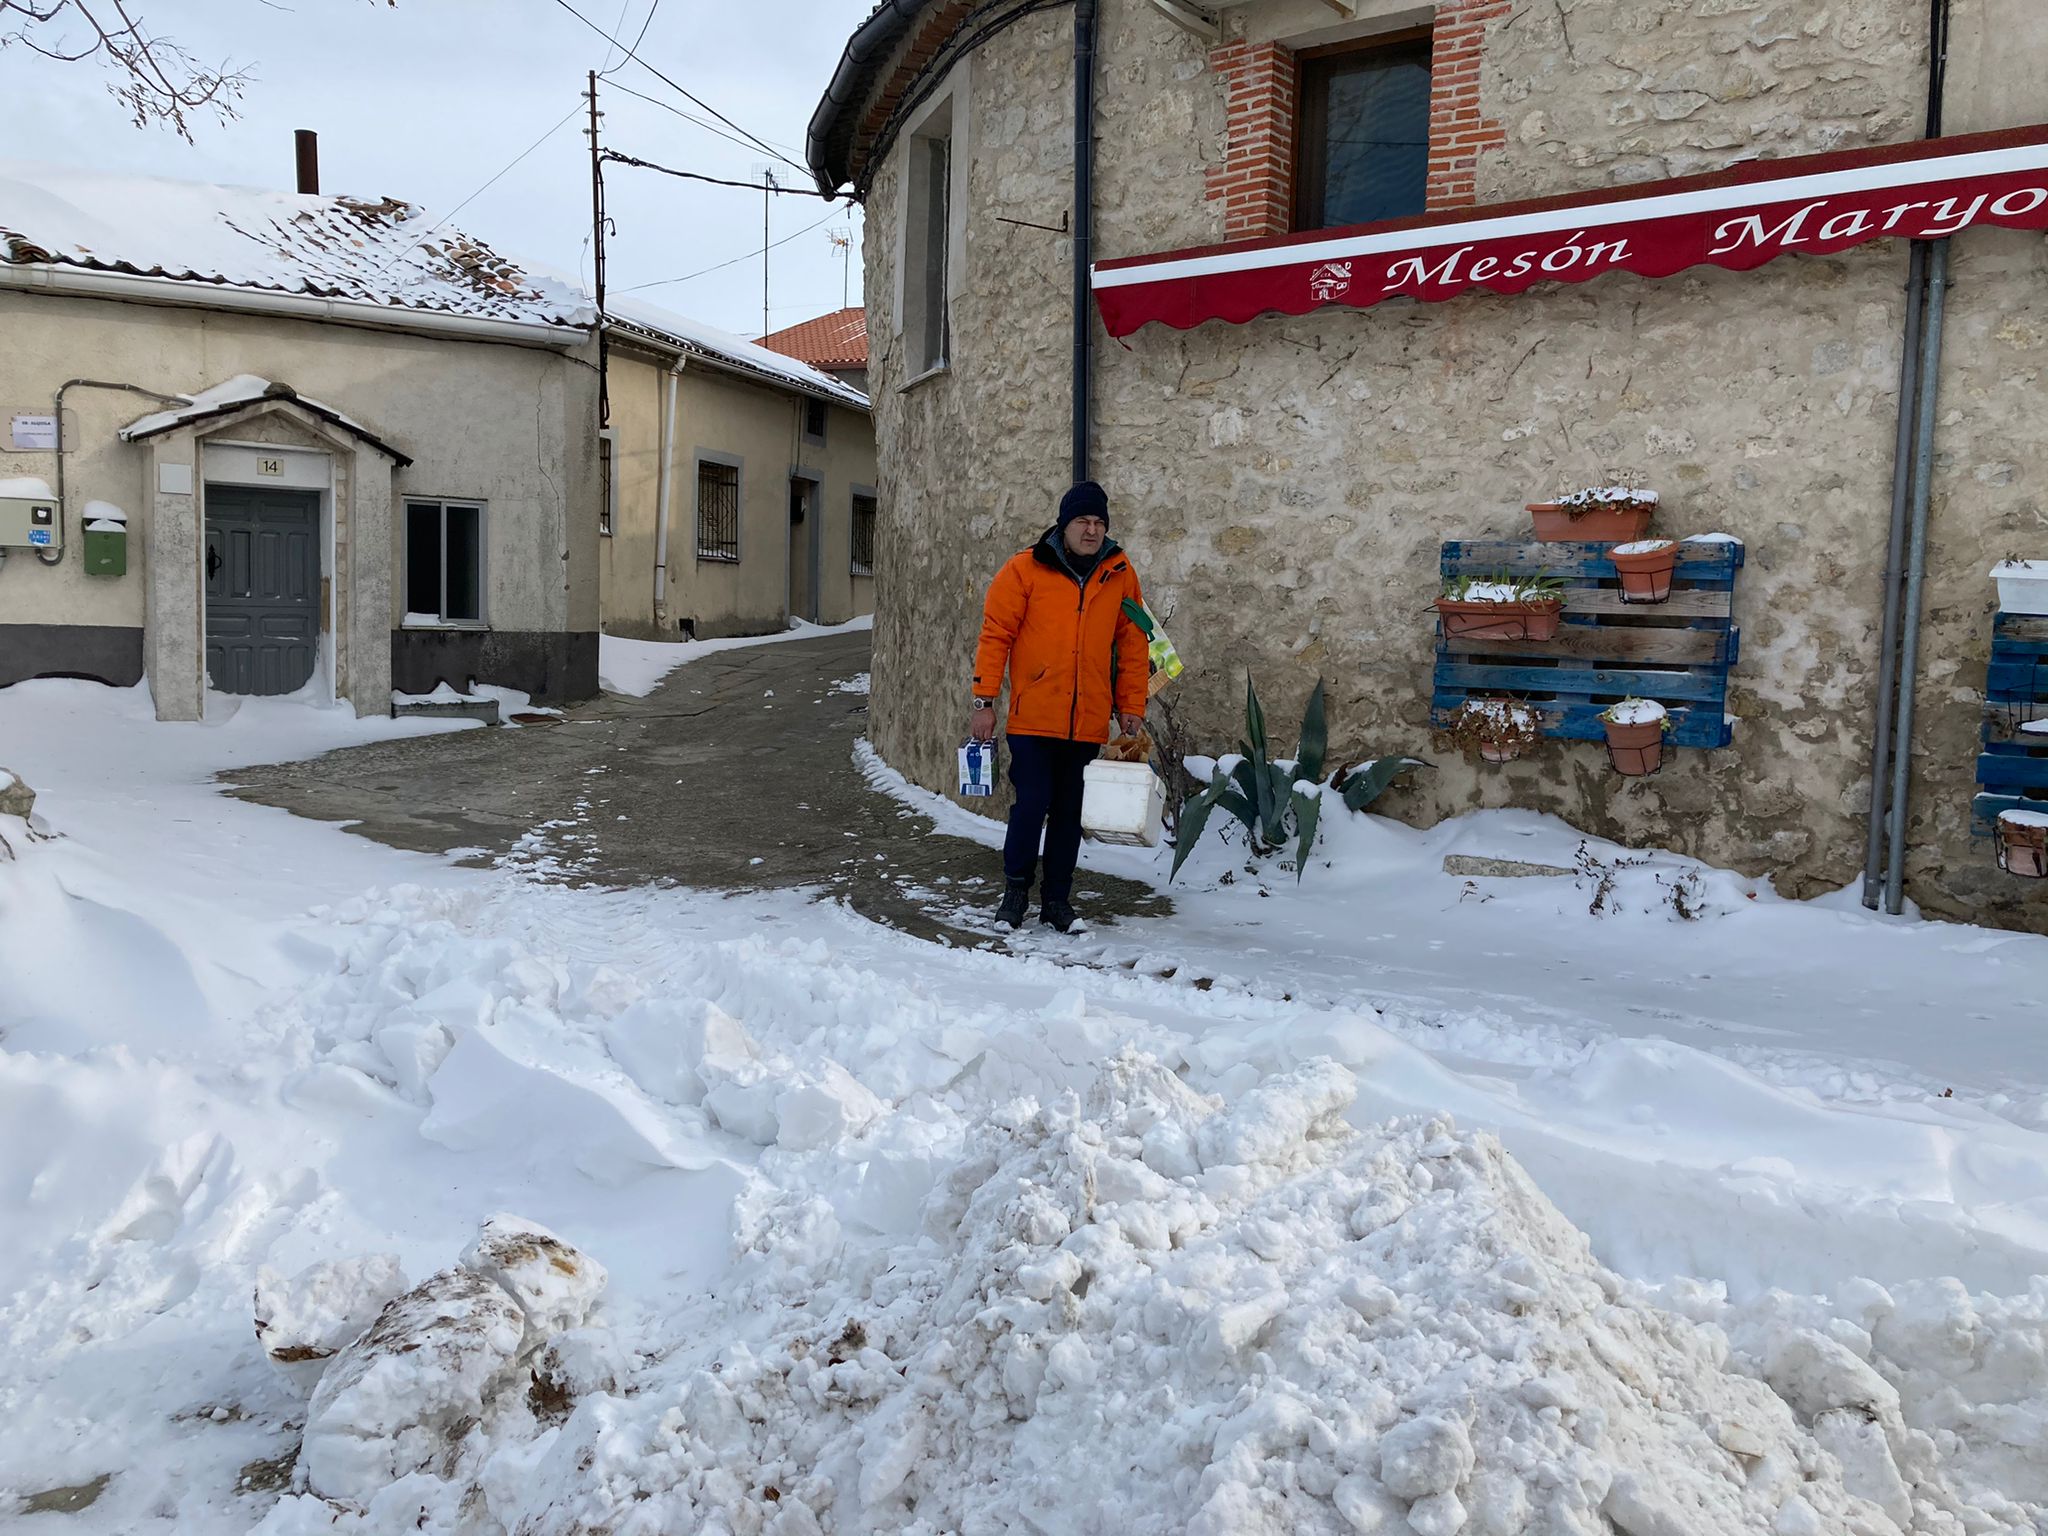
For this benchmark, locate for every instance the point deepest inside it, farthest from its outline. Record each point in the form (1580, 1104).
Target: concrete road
(736, 773)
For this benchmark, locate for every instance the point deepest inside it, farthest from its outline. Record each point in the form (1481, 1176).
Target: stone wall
(1283, 486)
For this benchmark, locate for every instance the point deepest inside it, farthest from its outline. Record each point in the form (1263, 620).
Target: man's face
(1085, 534)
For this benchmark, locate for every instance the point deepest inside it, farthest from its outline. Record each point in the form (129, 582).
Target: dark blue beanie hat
(1085, 500)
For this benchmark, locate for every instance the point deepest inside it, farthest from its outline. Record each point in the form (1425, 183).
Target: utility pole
(604, 401)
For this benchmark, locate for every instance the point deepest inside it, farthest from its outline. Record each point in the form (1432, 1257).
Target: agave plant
(1276, 801)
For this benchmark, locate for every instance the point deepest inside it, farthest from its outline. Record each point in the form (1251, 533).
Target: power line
(480, 191)
(612, 69)
(721, 266)
(711, 128)
(680, 90)
(771, 185)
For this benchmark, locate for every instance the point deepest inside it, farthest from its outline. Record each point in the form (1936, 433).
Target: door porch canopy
(1740, 218)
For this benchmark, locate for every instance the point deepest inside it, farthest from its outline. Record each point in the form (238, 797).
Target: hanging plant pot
(1645, 568)
(1494, 620)
(1635, 736)
(1565, 522)
(2023, 843)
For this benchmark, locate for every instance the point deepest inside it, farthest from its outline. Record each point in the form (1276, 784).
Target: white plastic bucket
(2022, 585)
(1123, 803)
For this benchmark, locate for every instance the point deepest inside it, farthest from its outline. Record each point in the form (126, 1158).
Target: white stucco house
(259, 442)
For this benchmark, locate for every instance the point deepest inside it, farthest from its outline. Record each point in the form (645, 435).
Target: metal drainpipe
(1916, 572)
(664, 476)
(1084, 222)
(1888, 643)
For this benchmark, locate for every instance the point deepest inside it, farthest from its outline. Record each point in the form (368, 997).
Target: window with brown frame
(1362, 145)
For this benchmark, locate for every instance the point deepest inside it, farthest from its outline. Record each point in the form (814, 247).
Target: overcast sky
(429, 100)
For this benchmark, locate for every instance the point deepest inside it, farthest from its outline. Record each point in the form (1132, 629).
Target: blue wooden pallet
(1678, 652)
(2012, 766)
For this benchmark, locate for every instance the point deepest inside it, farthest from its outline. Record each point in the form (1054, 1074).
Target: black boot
(1016, 897)
(1055, 913)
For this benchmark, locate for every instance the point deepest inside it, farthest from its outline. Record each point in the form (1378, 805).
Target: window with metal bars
(718, 510)
(863, 534)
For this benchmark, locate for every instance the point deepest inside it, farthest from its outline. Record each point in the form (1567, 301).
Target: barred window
(863, 534)
(718, 510)
(814, 421)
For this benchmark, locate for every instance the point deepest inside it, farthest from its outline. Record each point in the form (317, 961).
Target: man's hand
(981, 723)
(1130, 725)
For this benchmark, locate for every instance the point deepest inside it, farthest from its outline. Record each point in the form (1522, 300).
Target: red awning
(1740, 218)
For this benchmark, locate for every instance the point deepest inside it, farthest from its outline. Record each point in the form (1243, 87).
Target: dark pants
(1047, 774)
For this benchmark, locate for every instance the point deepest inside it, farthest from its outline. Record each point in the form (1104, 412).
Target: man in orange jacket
(1054, 617)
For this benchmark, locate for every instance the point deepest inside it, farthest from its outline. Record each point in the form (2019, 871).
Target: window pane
(1367, 135)
(423, 558)
(863, 535)
(937, 220)
(814, 419)
(465, 562)
(718, 511)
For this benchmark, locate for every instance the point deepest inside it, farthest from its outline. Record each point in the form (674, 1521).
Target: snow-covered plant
(1504, 726)
(1281, 800)
(1504, 587)
(1634, 711)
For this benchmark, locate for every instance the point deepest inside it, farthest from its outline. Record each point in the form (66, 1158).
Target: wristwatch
(981, 703)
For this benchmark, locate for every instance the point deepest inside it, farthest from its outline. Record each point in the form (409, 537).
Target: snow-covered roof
(246, 389)
(651, 321)
(377, 251)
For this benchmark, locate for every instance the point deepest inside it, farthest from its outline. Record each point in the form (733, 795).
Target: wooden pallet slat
(1678, 652)
(2012, 765)
(1606, 642)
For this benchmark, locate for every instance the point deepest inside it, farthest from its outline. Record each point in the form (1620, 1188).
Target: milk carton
(978, 768)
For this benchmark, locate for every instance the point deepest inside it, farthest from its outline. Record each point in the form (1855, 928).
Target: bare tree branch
(154, 79)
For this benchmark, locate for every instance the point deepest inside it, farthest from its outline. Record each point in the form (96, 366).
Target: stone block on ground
(1475, 864)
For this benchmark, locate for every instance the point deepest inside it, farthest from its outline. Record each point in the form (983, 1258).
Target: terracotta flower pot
(1499, 621)
(1635, 750)
(1499, 751)
(1645, 573)
(1596, 525)
(2023, 845)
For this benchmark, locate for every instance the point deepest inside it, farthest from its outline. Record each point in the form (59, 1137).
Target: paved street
(736, 773)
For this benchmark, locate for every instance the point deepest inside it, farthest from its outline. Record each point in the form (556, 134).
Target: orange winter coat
(1058, 638)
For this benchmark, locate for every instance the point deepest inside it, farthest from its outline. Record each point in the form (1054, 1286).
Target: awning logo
(1331, 280)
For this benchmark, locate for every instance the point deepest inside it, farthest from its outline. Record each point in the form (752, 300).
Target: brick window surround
(1255, 182)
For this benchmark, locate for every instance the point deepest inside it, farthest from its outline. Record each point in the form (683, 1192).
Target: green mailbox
(106, 541)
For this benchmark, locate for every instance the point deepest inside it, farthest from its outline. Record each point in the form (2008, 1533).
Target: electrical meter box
(30, 522)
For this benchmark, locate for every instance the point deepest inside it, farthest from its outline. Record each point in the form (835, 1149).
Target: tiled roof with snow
(837, 340)
(246, 389)
(695, 337)
(377, 251)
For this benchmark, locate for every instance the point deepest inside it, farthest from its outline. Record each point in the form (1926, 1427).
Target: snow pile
(1901, 1377)
(304, 1321)
(1152, 1313)
(30, 487)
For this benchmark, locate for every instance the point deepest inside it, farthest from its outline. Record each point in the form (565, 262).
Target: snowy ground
(634, 667)
(1215, 1224)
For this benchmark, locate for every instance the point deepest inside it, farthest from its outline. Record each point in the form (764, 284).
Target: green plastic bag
(1166, 662)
